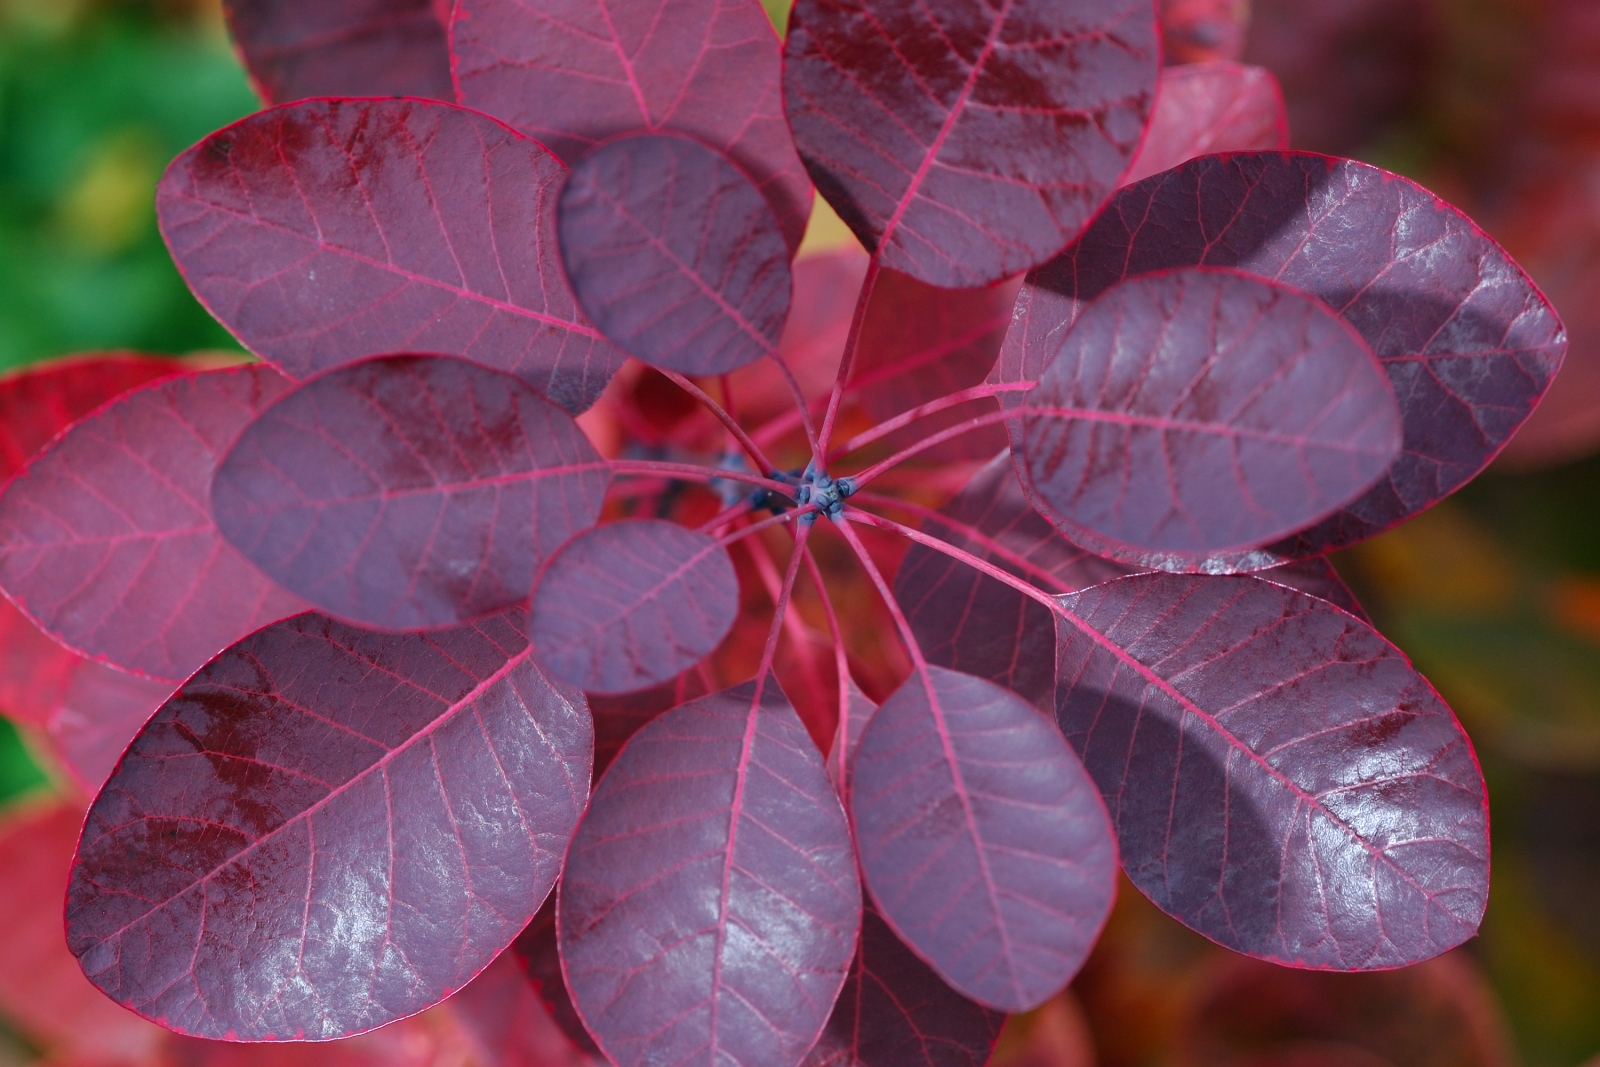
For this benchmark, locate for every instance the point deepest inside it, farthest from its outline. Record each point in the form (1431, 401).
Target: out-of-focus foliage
(95, 99)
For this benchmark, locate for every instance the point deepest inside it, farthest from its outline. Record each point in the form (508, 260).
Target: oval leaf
(1468, 342)
(40, 401)
(405, 802)
(1281, 779)
(709, 908)
(969, 622)
(98, 716)
(966, 142)
(574, 73)
(896, 1012)
(408, 492)
(675, 255)
(1211, 107)
(1244, 410)
(981, 838)
(301, 48)
(630, 604)
(329, 230)
(106, 541)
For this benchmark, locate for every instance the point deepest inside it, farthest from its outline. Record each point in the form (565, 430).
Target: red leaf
(618, 716)
(1281, 779)
(1468, 342)
(329, 230)
(539, 955)
(106, 540)
(675, 255)
(300, 48)
(853, 718)
(43, 994)
(408, 492)
(981, 838)
(573, 73)
(98, 716)
(35, 669)
(327, 829)
(1245, 411)
(631, 604)
(501, 1014)
(1211, 107)
(896, 1012)
(709, 908)
(968, 142)
(37, 403)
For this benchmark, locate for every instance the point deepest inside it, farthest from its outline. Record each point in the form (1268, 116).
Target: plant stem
(847, 361)
(932, 407)
(928, 442)
(799, 396)
(694, 472)
(841, 663)
(770, 651)
(775, 520)
(800, 635)
(734, 429)
(727, 515)
(866, 517)
(913, 649)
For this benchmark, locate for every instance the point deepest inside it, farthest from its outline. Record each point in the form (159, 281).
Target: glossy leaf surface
(981, 838)
(709, 908)
(106, 541)
(41, 401)
(408, 492)
(1282, 780)
(630, 604)
(895, 1011)
(574, 73)
(1467, 341)
(969, 622)
(327, 829)
(329, 230)
(301, 48)
(967, 142)
(1243, 411)
(1203, 108)
(675, 255)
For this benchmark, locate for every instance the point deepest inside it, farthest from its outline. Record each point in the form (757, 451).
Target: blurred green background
(1496, 593)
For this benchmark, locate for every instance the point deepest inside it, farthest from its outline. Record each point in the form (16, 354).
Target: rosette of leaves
(396, 585)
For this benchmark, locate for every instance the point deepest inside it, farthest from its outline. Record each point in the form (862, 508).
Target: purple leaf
(1211, 107)
(327, 829)
(981, 838)
(1243, 410)
(98, 716)
(1281, 779)
(967, 142)
(1317, 577)
(408, 492)
(1468, 342)
(108, 545)
(301, 48)
(675, 255)
(329, 230)
(573, 73)
(896, 1012)
(630, 604)
(40, 401)
(972, 623)
(857, 711)
(709, 908)
(618, 716)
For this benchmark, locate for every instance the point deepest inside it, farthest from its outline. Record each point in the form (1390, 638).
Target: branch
(862, 478)
(932, 407)
(847, 361)
(694, 472)
(999, 575)
(751, 448)
(770, 651)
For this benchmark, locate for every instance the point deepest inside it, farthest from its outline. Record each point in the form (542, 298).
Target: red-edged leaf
(43, 994)
(329, 230)
(1202, 31)
(1211, 107)
(37, 403)
(106, 540)
(98, 716)
(1468, 342)
(1317, 577)
(301, 48)
(408, 492)
(505, 1023)
(327, 829)
(631, 604)
(674, 254)
(709, 908)
(539, 956)
(966, 142)
(573, 73)
(1280, 777)
(971, 623)
(896, 1012)
(981, 838)
(618, 716)
(1241, 410)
